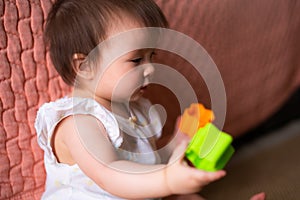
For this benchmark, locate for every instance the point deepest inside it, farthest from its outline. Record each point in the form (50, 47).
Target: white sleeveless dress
(65, 182)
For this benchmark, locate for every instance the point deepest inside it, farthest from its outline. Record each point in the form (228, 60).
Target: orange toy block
(195, 117)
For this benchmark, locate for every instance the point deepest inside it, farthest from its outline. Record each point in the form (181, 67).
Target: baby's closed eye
(136, 60)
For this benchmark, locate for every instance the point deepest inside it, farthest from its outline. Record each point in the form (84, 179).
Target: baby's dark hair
(78, 26)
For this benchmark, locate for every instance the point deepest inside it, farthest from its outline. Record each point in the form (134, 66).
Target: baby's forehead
(132, 37)
(126, 41)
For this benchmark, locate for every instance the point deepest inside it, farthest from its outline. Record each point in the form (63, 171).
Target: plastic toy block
(195, 117)
(210, 149)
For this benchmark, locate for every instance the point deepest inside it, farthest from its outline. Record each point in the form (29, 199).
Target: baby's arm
(97, 159)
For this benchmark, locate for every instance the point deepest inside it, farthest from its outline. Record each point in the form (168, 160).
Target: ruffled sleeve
(91, 107)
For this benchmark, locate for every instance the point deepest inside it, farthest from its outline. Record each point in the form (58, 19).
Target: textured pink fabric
(27, 80)
(254, 43)
(256, 47)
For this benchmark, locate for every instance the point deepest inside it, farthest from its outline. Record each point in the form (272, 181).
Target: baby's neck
(86, 94)
(120, 108)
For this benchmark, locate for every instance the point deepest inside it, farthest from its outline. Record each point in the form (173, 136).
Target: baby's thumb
(178, 152)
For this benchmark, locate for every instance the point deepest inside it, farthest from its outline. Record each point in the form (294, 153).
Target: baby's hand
(183, 179)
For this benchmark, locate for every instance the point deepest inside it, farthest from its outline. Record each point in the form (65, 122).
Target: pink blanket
(26, 81)
(254, 43)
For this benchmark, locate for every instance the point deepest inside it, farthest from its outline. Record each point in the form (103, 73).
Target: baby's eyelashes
(148, 57)
(137, 60)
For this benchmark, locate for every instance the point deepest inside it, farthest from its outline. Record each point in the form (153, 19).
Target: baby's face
(125, 64)
(128, 76)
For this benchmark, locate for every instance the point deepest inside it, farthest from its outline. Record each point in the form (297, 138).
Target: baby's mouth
(140, 91)
(143, 88)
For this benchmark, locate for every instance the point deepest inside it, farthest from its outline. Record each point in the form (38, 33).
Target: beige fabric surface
(269, 164)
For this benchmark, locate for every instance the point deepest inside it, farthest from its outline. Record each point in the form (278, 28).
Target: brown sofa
(254, 43)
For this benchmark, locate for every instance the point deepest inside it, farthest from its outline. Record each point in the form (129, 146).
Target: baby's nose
(149, 70)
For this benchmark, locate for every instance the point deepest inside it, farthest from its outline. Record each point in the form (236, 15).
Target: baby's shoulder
(51, 113)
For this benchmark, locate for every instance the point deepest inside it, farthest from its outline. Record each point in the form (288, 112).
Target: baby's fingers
(197, 179)
(208, 177)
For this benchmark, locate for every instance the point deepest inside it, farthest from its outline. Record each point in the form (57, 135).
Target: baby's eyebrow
(139, 52)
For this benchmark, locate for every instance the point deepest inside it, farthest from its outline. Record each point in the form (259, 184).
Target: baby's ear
(82, 67)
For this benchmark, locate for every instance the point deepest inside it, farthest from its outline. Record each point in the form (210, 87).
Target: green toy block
(210, 149)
